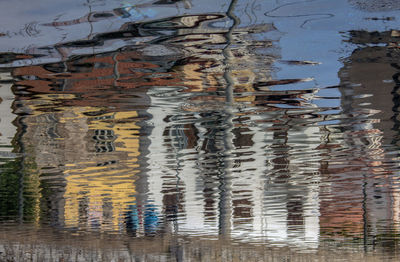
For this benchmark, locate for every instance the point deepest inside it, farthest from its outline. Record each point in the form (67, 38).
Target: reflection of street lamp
(224, 202)
(228, 55)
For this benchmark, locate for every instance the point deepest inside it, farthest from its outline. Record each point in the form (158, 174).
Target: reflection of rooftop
(94, 74)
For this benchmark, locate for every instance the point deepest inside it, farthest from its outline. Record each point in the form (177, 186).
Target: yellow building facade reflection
(99, 161)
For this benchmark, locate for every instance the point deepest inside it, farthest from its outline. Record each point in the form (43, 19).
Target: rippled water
(273, 123)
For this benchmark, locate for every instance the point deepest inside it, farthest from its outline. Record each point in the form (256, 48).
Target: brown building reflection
(362, 187)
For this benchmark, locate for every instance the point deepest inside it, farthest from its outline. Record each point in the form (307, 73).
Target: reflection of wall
(96, 159)
(7, 128)
(266, 199)
(106, 182)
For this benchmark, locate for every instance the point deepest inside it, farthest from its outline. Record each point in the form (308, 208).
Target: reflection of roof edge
(374, 37)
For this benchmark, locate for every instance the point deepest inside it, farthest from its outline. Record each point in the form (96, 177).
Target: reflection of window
(52, 132)
(178, 136)
(51, 123)
(103, 134)
(112, 162)
(104, 146)
(104, 117)
(104, 140)
(55, 68)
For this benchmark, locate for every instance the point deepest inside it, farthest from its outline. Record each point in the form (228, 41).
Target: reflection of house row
(62, 118)
(197, 176)
(254, 169)
(283, 210)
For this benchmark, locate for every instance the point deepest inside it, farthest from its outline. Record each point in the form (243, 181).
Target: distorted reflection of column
(277, 210)
(157, 156)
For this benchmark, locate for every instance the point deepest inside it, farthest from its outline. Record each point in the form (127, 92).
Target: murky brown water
(255, 123)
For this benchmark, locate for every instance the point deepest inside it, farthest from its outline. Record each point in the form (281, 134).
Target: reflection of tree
(9, 188)
(20, 190)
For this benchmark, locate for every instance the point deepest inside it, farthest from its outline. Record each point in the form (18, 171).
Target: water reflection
(194, 133)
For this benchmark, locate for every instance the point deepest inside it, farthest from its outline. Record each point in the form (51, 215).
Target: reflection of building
(209, 165)
(96, 159)
(85, 136)
(360, 205)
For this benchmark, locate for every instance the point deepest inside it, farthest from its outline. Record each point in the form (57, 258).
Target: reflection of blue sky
(27, 24)
(314, 31)
(320, 40)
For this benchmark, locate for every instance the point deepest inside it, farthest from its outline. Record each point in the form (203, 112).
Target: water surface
(264, 123)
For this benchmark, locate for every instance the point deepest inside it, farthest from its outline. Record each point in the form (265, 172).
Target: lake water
(173, 129)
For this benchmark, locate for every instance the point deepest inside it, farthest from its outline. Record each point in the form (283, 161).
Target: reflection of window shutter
(104, 140)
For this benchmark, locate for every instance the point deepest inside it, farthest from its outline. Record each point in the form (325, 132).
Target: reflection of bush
(19, 190)
(9, 188)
